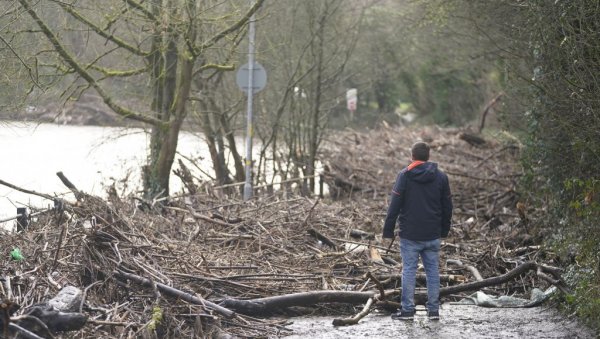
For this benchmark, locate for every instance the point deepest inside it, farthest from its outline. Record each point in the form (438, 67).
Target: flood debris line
(201, 264)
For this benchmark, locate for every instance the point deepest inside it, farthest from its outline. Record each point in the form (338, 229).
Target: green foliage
(584, 203)
(448, 96)
(584, 276)
(157, 317)
(564, 120)
(548, 65)
(417, 53)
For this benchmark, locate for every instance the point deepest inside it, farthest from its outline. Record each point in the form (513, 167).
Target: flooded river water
(90, 156)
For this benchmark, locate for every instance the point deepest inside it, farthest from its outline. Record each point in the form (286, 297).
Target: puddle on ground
(457, 321)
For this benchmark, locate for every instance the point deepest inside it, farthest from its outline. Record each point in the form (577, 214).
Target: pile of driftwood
(199, 266)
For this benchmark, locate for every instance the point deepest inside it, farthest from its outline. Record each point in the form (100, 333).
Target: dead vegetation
(203, 266)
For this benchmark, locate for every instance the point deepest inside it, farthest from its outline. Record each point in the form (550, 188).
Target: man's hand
(444, 235)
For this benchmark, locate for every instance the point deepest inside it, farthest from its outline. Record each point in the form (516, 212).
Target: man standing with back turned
(421, 202)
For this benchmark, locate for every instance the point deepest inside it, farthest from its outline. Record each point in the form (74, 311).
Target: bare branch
(117, 41)
(236, 26)
(70, 60)
(141, 8)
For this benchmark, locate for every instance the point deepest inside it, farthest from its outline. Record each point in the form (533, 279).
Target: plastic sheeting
(484, 300)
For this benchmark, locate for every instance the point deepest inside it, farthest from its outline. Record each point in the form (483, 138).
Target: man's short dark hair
(420, 151)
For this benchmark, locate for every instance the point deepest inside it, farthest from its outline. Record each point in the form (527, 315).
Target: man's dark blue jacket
(421, 202)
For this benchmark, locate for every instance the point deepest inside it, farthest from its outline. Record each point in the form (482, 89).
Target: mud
(457, 321)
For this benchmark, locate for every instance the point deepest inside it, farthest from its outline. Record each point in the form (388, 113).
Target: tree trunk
(218, 160)
(169, 100)
(213, 138)
(316, 109)
(163, 59)
(169, 103)
(240, 174)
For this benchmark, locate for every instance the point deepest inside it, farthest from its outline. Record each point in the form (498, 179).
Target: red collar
(415, 164)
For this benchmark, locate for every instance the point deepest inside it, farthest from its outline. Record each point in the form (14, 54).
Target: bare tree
(162, 44)
(309, 43)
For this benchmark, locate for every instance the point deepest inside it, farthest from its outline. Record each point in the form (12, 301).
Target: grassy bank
(570, 229)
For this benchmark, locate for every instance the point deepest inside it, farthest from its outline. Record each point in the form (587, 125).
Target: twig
(49, 197)
(474, 271)
(356, 318)
(108, 323)
(84, 296)
(465, 175)
(60, 238)
(208, 219)
(309, 214)
(9, 295)
(495, 153)
(378, 284)
(390, 245)
(53, 282)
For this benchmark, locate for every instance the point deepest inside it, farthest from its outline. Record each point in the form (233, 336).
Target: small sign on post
(251, 78)
(352, 101)
(259, 77)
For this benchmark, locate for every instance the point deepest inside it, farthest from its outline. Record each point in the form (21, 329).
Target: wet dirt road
(457, 321)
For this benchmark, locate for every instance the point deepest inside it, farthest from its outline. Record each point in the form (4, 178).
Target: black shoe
(433, 315)
(403, 315)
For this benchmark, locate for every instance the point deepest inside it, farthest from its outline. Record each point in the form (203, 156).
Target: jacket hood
(423, 173)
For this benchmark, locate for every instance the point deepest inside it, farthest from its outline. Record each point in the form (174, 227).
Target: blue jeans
(430, 254)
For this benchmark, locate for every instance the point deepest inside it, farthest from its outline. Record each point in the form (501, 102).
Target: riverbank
(89, 110)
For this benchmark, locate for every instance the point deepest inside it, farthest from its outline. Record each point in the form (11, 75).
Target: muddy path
(457, 321)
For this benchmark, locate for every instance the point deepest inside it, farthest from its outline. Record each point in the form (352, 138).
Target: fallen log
(273, 305)
(43, 320)
(176, 293)
(55, 320)
(472, 139)
(476, 285)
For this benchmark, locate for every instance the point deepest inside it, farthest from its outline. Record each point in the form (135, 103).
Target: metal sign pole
(250, 129)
